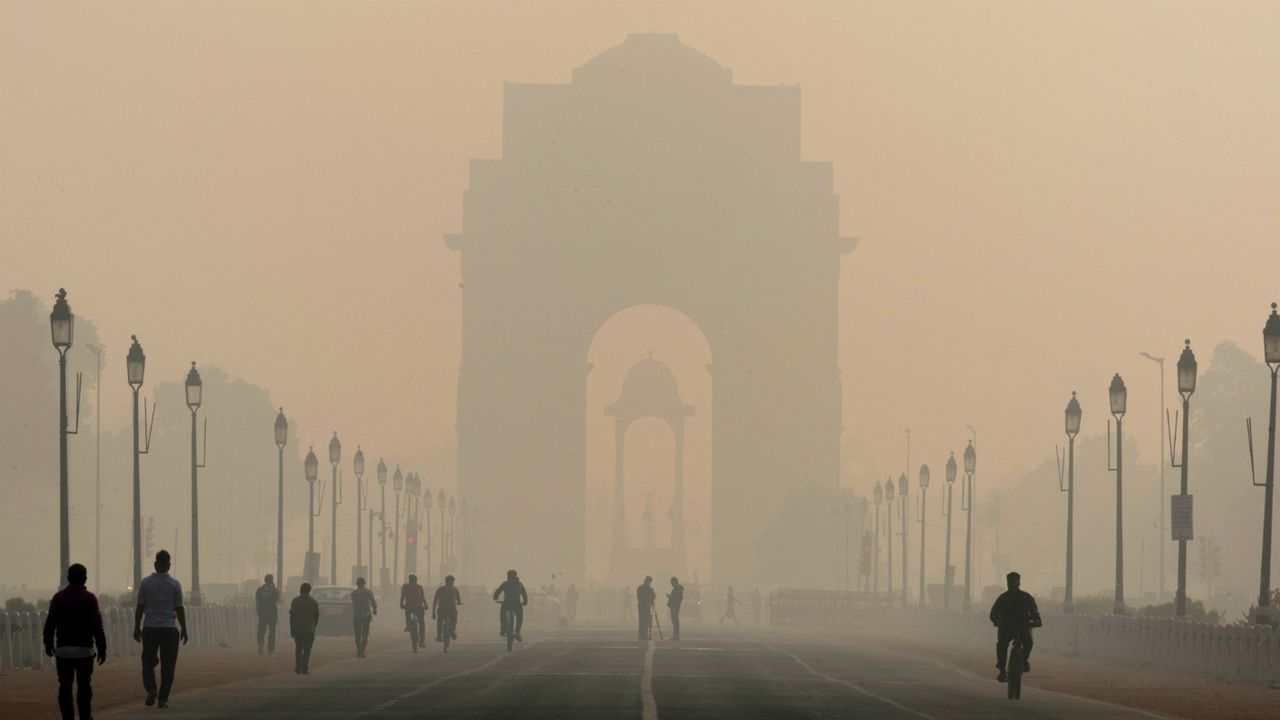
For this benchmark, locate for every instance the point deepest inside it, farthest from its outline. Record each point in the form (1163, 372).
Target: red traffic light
(410, 540)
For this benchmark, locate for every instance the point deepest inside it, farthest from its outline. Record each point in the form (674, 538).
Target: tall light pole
(903, 492)
(1072, 422)
(62, 329)
(946, 569)
(1119, 397)
(383, 580)
(453, 511)
(877, 496)
(282, 438)
(924, 488)
(440, 503)
(1186, 387)
(136, 365)
(357, 464)
(1160, 361)
(335, 455)
(311, 470)
(397, 482)
(426, 500)
(888, 533)
(966, 502)
(1271, 352)
(97, 472)
(195, 395)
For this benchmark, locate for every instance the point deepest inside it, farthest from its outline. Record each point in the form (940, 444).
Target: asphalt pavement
(739, 673)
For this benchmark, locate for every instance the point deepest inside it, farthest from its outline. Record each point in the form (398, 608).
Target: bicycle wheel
(413, 634)
(1015, 671)
(511, 631)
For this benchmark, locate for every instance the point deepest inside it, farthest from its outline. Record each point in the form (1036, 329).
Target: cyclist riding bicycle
(445, 605)
(414, 602)
(1014, 614)
(513, 597)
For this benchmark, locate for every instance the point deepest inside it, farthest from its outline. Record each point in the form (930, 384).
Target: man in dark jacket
(674, 600)
(267, 600)
(71, 630)
(1014, 613)
(645, 597)
(304, 616)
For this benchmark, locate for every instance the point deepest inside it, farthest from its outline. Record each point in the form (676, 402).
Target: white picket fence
(22, 645)
(1240, 653)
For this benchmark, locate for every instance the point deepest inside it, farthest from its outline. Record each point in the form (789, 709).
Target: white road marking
(851, 686)
(423, 688)
(649, 708)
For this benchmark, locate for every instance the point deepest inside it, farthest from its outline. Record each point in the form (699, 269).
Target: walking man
(730, 608)
(626, 604)
(267, 600)
(645, 597)
(156, 623)
(71, 629)
(674, 598)
(363, 608)
(304, 616)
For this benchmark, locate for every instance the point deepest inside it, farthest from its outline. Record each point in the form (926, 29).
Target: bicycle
(1016, 661)
(446, 625)
(416, 630)
(509, 627)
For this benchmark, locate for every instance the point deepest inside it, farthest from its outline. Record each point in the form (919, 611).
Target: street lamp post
(1271, 353)
(1072, 423)
(888, 533)
(1160, 361)
(426, 501)
(440, 503)
(902, 509)
(453, 511)
(195, 395)
(924, 488)
(282, 438)
(62, 330)
(946, 569)
(357, 463)
(1119, 397)
(397, 483)
(966, 502)
(383, 580)
(311, 470)
(1186, 387)
(877, 496)
(335, 455)
(136, 364)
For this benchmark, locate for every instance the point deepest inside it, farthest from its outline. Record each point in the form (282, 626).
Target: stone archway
(649, 179)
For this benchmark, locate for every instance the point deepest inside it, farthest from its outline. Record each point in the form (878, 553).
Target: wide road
(604, 673)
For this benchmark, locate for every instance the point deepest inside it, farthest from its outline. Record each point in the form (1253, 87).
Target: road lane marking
(851, 686)
(423, 688)
(649, 708)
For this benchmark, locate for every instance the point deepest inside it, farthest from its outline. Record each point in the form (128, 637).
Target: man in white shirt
(155, 624)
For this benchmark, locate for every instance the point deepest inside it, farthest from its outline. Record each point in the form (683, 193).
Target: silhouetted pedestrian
(267, 601)
(674, 599)
(156, 623)
(756, 602)
(71, 629)
(304, 616)
(626, 604)
(730, 611)
(645, 597)
(571, 602)
(363, 608)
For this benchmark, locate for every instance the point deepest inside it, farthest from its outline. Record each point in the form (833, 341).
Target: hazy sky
(1041, 191)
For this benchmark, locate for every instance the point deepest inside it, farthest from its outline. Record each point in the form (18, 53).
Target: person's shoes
(1002, 677)
(306, 671)
(453, 636)
(151, 699)
(162, 704)
(1026, 667)
(518, 638)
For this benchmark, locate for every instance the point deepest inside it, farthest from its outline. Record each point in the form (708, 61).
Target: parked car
(335, 610)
